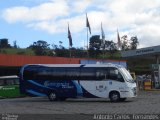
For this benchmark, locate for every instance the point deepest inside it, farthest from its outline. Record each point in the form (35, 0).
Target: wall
(19, 60)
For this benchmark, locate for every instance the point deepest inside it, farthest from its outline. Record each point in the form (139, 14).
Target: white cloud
(136, 18)
(76, 24)
(148, 35)
(46, 11)
(133, 17)
(44, 25)
(81, 5)
(15, 14)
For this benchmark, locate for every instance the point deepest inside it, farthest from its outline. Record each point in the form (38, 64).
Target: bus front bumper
(131, 92)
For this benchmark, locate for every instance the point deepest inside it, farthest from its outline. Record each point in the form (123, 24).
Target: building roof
(148, 51)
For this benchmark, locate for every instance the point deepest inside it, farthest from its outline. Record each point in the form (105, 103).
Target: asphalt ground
(146, 103)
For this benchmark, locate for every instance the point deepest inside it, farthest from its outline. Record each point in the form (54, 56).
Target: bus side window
(9, 82)
(72, 73)
(99, 75)
(57, 73)
(88, 73)
(114, 74)
(16, 81)
(119, 77)
(102, 74)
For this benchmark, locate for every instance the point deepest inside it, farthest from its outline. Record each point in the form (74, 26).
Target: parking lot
(147, 102)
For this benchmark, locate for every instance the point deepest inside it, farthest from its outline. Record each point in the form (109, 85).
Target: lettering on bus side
(58, 84)
(101, 88)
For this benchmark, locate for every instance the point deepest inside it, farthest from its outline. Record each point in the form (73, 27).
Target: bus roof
(76, 65)
(7, 77)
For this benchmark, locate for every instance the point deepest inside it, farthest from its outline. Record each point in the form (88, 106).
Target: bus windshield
(127, 75)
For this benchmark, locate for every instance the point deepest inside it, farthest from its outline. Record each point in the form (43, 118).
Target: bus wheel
(52, 96)
(114, 96)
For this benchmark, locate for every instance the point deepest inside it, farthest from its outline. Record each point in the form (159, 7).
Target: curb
(153, 90)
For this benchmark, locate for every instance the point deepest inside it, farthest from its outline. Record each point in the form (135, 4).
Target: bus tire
(52, 96)
(114, 96)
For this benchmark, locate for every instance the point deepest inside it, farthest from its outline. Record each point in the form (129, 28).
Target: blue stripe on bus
(37, 84)
(79, 88)
(36, 93)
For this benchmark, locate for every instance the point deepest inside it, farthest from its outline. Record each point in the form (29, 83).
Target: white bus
(62, 81)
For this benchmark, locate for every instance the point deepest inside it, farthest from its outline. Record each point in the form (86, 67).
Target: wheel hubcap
(52, 96)
(114, 96)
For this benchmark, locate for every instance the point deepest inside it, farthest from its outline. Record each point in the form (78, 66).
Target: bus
(62, 81)
(9, 86)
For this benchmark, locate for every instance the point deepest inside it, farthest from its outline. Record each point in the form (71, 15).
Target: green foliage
(41, 48)
(94, 46)
(15, 44)
(129, 44)
(95, 42)
(79, 53)
(112, 48)
(134, 43)
(125, 42)
(19, 51)
(62, 52)
(4, 43)
(136, 65)
(98, 47)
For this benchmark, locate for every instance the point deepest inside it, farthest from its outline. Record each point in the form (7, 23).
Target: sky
(27, 21)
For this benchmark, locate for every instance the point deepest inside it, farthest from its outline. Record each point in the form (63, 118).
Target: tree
(129, 44)
(94, 46)
(60, 45)
(95, 42)
(134, 43)
(41, 48)
(15, 44)
(54, 46)
(125, 42)
(4, 43)
(111, 47)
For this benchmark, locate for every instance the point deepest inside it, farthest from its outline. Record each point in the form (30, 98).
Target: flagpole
(87, 38)
(103, 41)
(84, 44)
(87, 44)
(119, 41)
(70, 54)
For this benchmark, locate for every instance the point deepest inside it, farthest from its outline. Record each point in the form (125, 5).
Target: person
(140, 82)
(156, 80)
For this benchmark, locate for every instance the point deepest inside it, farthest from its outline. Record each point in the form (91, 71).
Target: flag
(103, 38)
(119, 41)
(87, 24)
(103, 35)
(69, 37)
